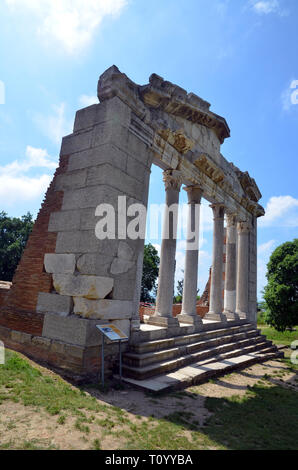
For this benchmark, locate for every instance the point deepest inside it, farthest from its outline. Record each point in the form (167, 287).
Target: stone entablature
(184, 135)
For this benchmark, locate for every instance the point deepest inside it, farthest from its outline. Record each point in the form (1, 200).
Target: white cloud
(15, 183)
(72, 23)
(281, 211)
(265, 7)
(55, 125)
(14, 189)
(87, 100)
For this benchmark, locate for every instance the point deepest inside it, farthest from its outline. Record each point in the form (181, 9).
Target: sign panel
(112, 332)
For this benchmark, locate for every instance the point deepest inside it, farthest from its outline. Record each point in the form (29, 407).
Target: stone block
(71, 329)
(42, 342)
(113, 109)
(59, 263)
(54, 303)
(76, 142)
(103, 309)
(64, 221)
(90, 287)
(106, 153)
(124, 287)
(57, 347)
(117, 179)
(20, 337)
(91, 197)
(71, 180)
(136, 169)
(68, 242)
(120, 266)
(94, 263)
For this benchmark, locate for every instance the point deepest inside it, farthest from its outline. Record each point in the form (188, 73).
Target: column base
(231, 315)
(216, 317)
(158, 320)
(242, 315)
(195, 320)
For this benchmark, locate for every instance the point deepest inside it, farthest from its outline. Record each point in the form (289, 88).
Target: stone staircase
(179, 360)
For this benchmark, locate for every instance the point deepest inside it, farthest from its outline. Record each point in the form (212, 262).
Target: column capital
(231, 219)
(194, 194)
(218, 210)
(172, 179)
(243, 226)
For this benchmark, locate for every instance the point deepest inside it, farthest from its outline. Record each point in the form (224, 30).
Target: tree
(150, 273)
(179, 290)
(281, 292)
(14, 233)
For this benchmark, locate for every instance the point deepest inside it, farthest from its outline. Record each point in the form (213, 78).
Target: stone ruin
(68, 280)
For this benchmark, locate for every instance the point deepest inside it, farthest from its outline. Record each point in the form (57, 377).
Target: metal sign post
(114, 335)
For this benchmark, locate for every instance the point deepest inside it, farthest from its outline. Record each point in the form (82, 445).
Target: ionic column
(189, 299)
(243, 229)
(230, 278)
(216, 287)
(163, 315)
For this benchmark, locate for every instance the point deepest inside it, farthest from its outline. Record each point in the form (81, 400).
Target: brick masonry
(18, 311)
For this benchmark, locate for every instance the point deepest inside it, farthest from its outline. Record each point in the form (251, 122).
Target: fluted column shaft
(216, 288)
(189, 300)
(164, 303)
(231, 265)
(243, 229)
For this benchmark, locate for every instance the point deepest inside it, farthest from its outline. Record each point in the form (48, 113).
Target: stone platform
(163, 360)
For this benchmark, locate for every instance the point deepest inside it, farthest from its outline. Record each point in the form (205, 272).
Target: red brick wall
(18, 310)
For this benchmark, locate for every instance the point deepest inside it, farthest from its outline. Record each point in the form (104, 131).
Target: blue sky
(240, 55)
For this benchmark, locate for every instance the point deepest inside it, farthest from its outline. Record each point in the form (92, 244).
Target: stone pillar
(189, 301)
(163, 315)
(216, 289)
(230, 273)
(242, 270)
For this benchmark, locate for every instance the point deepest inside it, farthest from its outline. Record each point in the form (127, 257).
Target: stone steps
(178, 340)
(173, 352)
(144, 359)
(157, 368)
(201, 372)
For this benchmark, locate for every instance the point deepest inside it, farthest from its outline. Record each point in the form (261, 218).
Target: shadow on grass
(264, 418)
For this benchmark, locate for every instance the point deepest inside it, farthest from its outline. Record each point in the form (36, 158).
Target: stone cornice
(175, 100)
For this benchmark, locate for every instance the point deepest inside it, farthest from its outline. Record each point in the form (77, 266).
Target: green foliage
(14, 234)
(178, 298)
(150, 273)
(281, 292)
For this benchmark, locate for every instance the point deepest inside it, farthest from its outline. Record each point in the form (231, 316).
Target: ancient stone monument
(69, 280)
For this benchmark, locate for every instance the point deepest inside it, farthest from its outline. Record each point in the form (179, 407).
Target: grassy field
(286, 338)
(253, 409)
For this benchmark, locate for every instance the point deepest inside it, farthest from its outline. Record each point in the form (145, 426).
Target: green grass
(264, 418)
(286, 337)
(26, 384)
